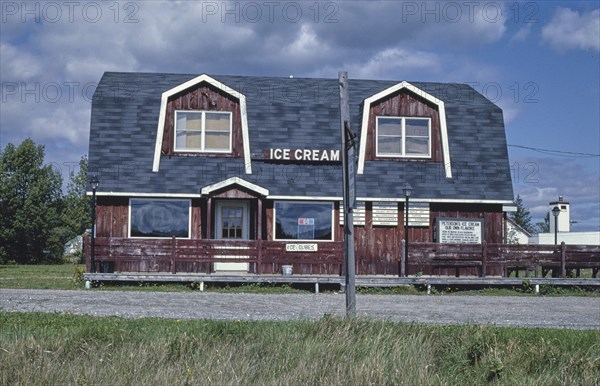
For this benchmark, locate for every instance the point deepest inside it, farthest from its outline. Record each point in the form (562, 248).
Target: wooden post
(86, 248)
(563, 259)
(173, 254)
(483, 258)
(209, 218)
(259, 244)
(259, 251)
(402, 259)
(399, 237)
(348, 174)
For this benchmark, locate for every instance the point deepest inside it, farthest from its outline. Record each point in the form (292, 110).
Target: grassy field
(48, 349)
(63, 276)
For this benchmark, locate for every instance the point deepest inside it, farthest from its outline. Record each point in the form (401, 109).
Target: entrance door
(232, 223)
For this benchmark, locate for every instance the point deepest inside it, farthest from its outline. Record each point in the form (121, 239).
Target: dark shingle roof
(293, 113)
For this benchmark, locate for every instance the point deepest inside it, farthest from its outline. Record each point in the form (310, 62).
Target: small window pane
(417, 127)
(181, 122)
(389, 126)
(194, 122)
(417, 146)
(193, 140)
(390, 145)
(216, 141)
(217, 122)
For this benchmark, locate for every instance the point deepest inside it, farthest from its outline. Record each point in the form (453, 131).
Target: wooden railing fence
(182, 255)
(267, 257)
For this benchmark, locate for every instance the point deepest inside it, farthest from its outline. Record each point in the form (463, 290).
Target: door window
(232, 222)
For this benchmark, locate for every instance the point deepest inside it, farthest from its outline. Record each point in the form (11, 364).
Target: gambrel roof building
(257, 158)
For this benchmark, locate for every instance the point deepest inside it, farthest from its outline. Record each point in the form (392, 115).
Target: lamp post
(555, 212)
(94, 182)
(407, 192)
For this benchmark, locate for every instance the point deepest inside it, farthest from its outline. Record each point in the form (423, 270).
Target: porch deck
(336, 280)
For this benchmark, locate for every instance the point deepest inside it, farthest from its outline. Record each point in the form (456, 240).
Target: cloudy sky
(539, 61)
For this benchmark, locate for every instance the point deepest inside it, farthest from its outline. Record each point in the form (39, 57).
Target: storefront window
(159, 218)
(303, 220)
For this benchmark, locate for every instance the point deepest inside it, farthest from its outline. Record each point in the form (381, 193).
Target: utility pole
(349, 189)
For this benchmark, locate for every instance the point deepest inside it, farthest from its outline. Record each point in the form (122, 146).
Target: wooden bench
(457, 264)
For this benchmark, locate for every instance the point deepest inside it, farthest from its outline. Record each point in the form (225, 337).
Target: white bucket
(286, 270)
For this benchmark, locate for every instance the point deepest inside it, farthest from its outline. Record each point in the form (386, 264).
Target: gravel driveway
(525, 311)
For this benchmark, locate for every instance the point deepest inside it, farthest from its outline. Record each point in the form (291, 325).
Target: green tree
(544, 227)
(522, 216)
(76, 215)
(30, 203)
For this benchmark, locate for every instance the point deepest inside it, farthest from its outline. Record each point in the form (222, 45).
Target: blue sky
(538, 60)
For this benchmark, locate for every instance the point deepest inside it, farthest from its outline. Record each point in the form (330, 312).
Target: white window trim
(304, 202)
(203, 132)
(403, 153)
(159, 199)
(390, 90)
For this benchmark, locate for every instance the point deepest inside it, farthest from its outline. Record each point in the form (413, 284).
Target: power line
(557, 152)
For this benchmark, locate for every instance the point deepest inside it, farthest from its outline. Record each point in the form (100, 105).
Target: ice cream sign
(305, 155)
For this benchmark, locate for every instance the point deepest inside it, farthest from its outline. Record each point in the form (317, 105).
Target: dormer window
(203, 131)
(403, 137)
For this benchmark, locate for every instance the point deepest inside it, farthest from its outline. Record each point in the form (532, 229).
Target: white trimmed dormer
(404, 122)
(202, 117)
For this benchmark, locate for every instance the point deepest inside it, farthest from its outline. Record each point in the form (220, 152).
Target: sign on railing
(313, 247)
(459, 230)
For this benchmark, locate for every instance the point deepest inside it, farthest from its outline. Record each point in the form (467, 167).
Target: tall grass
(46, 276)
(44, 349)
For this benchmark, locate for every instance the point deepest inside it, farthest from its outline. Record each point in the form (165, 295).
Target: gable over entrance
(231, 184)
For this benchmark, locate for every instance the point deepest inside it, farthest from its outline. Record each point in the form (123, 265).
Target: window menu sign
(460, 230)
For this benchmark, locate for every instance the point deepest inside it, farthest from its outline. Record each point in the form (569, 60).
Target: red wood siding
(235, 193)
(269, 218)
(405, 104)
(197, 212)
(112, 216)
(204, 97)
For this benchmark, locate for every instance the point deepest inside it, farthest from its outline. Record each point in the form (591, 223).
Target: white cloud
(306, 46)
(18, 64)
(376, 25)
(569, 29)
(522, 34)
(394, 61)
